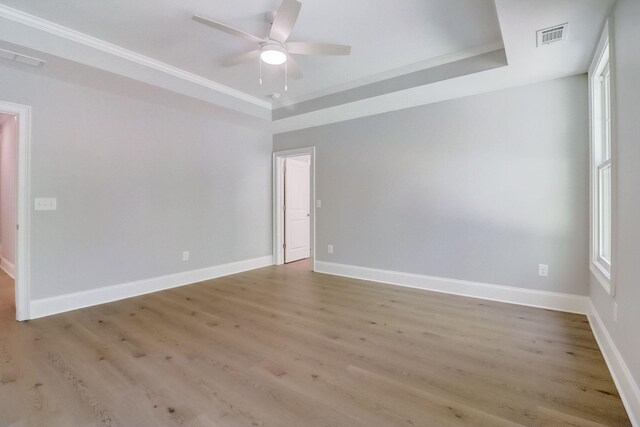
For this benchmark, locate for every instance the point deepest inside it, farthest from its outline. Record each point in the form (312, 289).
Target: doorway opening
(294, 207)
(14, 209)
(8, 164)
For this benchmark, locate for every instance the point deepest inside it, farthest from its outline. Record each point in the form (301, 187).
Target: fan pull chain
(286, 76)
(260, 62)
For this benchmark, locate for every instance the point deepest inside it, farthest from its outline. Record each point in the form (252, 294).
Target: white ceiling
(527, 63)
(155, 42)
(386, 36)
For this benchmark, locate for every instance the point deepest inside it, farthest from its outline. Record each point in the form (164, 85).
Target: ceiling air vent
(552, 35)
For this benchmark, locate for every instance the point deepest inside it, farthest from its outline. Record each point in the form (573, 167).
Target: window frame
(602, 158)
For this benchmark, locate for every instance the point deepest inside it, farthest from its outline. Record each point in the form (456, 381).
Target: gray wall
(8, 174)
(483, 188)
(626, 16)
(138, 182)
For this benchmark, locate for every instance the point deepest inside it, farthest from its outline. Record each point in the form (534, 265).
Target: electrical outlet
(330, 249)
(543, 270)
(318, 203)
(615, 312)
(185, 256)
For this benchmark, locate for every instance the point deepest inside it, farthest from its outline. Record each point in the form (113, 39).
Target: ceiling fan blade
(227, 29)
(293, 69)
(284, 20)
(230, 61)
(305, 48)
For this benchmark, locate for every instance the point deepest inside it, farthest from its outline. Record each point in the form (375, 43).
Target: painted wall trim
(417, 66)
(62, 303)
(406, 82)
(115, 50)
(529, 297)
(8, 267)
(625, 383)
(277, 217)
(22, 261)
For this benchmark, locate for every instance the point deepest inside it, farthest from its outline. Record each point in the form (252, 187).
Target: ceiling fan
(275, 49)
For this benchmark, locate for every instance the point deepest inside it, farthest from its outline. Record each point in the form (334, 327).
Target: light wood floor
(282, 346)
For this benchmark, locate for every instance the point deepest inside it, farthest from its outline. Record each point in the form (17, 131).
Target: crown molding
(389, 74)
(474, 84)
(120, 52)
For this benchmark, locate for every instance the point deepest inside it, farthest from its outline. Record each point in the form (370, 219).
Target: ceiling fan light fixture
(273, 54)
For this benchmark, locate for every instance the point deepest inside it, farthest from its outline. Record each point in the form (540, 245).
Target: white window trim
(597, 267)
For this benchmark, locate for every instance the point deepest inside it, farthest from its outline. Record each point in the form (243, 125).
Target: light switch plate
(45, 204)
(543, 270)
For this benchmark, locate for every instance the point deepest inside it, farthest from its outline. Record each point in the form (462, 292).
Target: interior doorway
(15, 133)
(294, 212)
(8, 175)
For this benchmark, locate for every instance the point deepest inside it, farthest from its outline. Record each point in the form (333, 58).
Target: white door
(296, 214)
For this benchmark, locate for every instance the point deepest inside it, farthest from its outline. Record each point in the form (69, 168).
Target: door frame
(22, 268)
(278, 216)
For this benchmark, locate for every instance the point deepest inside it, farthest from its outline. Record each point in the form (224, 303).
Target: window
(601, 164)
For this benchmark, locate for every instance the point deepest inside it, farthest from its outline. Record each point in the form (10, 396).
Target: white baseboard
(59, 304)
(627, 387)
(8, 267)
(625, 383)
(551, 300)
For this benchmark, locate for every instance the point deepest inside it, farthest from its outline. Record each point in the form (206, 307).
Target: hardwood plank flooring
(283, 346)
